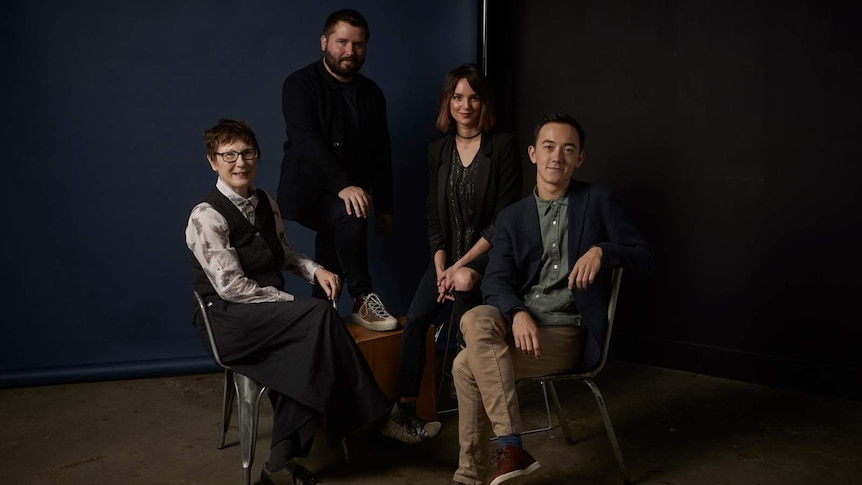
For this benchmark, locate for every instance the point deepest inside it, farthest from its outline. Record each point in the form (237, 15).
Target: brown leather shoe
(514, 465)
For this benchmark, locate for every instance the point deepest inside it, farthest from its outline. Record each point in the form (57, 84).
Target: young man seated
(546, 287)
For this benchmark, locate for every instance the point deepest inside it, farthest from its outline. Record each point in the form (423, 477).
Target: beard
(335, 66)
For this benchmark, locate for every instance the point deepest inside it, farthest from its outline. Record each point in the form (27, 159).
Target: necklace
(468, 137)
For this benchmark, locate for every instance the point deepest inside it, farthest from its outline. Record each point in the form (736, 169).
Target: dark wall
(731, 131)
(103, 110)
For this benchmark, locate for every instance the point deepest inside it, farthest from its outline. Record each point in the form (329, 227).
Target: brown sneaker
(369, 312)
(514, 465)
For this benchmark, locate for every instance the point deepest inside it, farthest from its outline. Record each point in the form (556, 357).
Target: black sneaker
(407, 428)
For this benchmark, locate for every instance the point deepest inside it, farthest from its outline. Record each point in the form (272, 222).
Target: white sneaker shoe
(408, 429)
(369, 312)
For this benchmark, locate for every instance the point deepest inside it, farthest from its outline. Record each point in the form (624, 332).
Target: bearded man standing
(337, 161)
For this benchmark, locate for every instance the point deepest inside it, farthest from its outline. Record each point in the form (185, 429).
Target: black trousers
(304, 353)
(420, 316)
(340, 245)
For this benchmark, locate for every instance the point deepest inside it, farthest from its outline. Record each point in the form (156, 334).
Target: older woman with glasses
(299, 348)
(472, 175)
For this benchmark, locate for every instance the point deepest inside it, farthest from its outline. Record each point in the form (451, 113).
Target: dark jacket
(498, 184)
(595, 219)
(323, 152)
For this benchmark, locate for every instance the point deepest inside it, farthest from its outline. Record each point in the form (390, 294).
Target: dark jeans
(341, 245)
(423, 310)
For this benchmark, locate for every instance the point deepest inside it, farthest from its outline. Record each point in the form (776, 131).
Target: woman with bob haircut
(472, 175)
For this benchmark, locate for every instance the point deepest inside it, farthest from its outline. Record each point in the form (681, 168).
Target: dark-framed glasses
(230, 157)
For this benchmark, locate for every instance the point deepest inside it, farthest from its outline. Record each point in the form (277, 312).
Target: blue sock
(511, 440)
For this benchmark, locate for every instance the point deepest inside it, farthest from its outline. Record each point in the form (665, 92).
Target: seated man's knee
(466, 279)
(482, 320)
(460, 367)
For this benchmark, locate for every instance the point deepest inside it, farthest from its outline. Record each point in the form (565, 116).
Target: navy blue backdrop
(104, 107)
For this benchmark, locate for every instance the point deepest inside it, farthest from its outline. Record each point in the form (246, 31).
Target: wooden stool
(382, 350)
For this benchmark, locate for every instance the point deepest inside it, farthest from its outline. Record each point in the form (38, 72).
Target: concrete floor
(674, 428)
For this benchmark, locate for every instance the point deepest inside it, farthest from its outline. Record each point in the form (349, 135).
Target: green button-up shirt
(550, 301)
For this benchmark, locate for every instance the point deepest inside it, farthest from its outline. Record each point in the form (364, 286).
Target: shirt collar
(235, 198)
(545, 205)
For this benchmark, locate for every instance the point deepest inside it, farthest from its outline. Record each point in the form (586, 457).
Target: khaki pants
(485, 373)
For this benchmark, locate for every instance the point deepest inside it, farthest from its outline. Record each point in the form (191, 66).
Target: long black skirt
(304, 353)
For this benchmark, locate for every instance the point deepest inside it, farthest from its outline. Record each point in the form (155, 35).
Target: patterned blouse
(460, 190)
(207, 236)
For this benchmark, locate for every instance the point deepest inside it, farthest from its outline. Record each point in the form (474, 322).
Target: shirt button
(336, 144)
(536, 296)
(257, 234)
(555, 266)
(554, 222)
(553, 245)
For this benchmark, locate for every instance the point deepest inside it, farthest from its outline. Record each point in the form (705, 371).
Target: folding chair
(445, 373)
(547, 383)
(247, 393)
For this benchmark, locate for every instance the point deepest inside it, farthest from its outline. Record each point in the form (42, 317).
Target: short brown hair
(480, 84)
(348, 15)
(228, 131)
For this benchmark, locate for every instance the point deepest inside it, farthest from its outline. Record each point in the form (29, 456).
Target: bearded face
(344, 50)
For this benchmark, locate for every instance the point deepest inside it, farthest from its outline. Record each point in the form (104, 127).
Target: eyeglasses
(231, 157)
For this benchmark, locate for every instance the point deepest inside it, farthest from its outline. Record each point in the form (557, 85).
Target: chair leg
(609, 428)
(229, 394)
(444, 374)
(550, 425)
(249, 393)
(344, 452)
(564, 424)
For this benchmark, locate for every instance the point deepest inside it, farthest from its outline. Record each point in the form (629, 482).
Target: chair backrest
(204, 314)
(616, 279)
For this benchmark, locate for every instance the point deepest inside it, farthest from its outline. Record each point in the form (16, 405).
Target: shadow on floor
(674, 428)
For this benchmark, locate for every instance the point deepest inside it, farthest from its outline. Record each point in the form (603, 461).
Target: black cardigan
(323, 152)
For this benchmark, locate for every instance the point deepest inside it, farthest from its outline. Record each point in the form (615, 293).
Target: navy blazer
(595, 219)
(498, 184)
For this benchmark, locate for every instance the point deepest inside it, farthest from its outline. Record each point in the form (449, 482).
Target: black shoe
(292, 474)
(407, 428)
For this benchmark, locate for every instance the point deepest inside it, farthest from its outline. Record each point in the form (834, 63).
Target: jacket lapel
(483, 171)
(444, 162)
(579, 199)
(530, 223)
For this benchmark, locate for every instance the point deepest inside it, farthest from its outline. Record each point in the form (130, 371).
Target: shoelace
(372, 302)
(497, 457)
(408, 423)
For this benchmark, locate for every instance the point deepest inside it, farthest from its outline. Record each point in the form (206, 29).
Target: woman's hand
(329, 281)
(446, 283)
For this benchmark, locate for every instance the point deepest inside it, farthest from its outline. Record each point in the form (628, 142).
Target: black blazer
(498, 184)
(323, 154)
(595, 219)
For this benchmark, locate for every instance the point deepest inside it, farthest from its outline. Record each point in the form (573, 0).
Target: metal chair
(247, 392)
(547, 383)
(444, 372)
